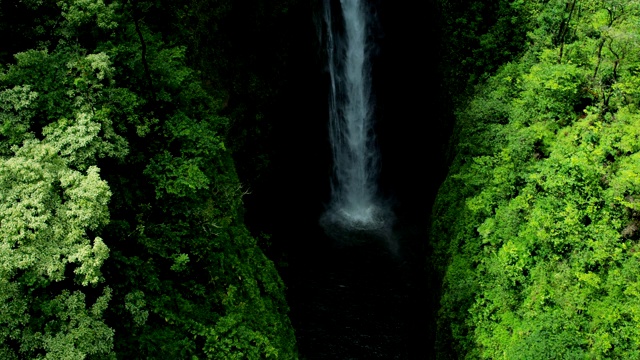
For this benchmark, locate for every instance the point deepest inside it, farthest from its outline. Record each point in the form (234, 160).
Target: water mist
(355, 205)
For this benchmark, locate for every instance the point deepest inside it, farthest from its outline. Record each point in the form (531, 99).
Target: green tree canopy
(535, 229)
(120, 209)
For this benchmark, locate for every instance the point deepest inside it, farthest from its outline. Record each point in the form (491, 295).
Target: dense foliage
(536, 228)
(476, 38)
(120, 209)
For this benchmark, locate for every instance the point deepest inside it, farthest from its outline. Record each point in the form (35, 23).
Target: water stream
(355, 204)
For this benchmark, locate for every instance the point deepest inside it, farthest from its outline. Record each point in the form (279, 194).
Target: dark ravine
(359, 302)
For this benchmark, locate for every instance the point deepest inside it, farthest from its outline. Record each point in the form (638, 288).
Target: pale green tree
(54, 125)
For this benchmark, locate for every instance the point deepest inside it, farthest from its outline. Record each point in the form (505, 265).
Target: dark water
(359, 302)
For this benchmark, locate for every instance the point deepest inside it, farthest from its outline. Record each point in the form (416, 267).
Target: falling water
(354, 200)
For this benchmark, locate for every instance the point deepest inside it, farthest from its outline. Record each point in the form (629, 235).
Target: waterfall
(355, 203)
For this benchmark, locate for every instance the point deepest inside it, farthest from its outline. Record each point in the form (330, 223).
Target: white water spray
(354, 200)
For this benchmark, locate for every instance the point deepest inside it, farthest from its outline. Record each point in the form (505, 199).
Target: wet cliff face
(413, 125)
(410, 123)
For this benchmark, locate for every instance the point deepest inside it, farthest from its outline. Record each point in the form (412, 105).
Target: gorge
(325, 179)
